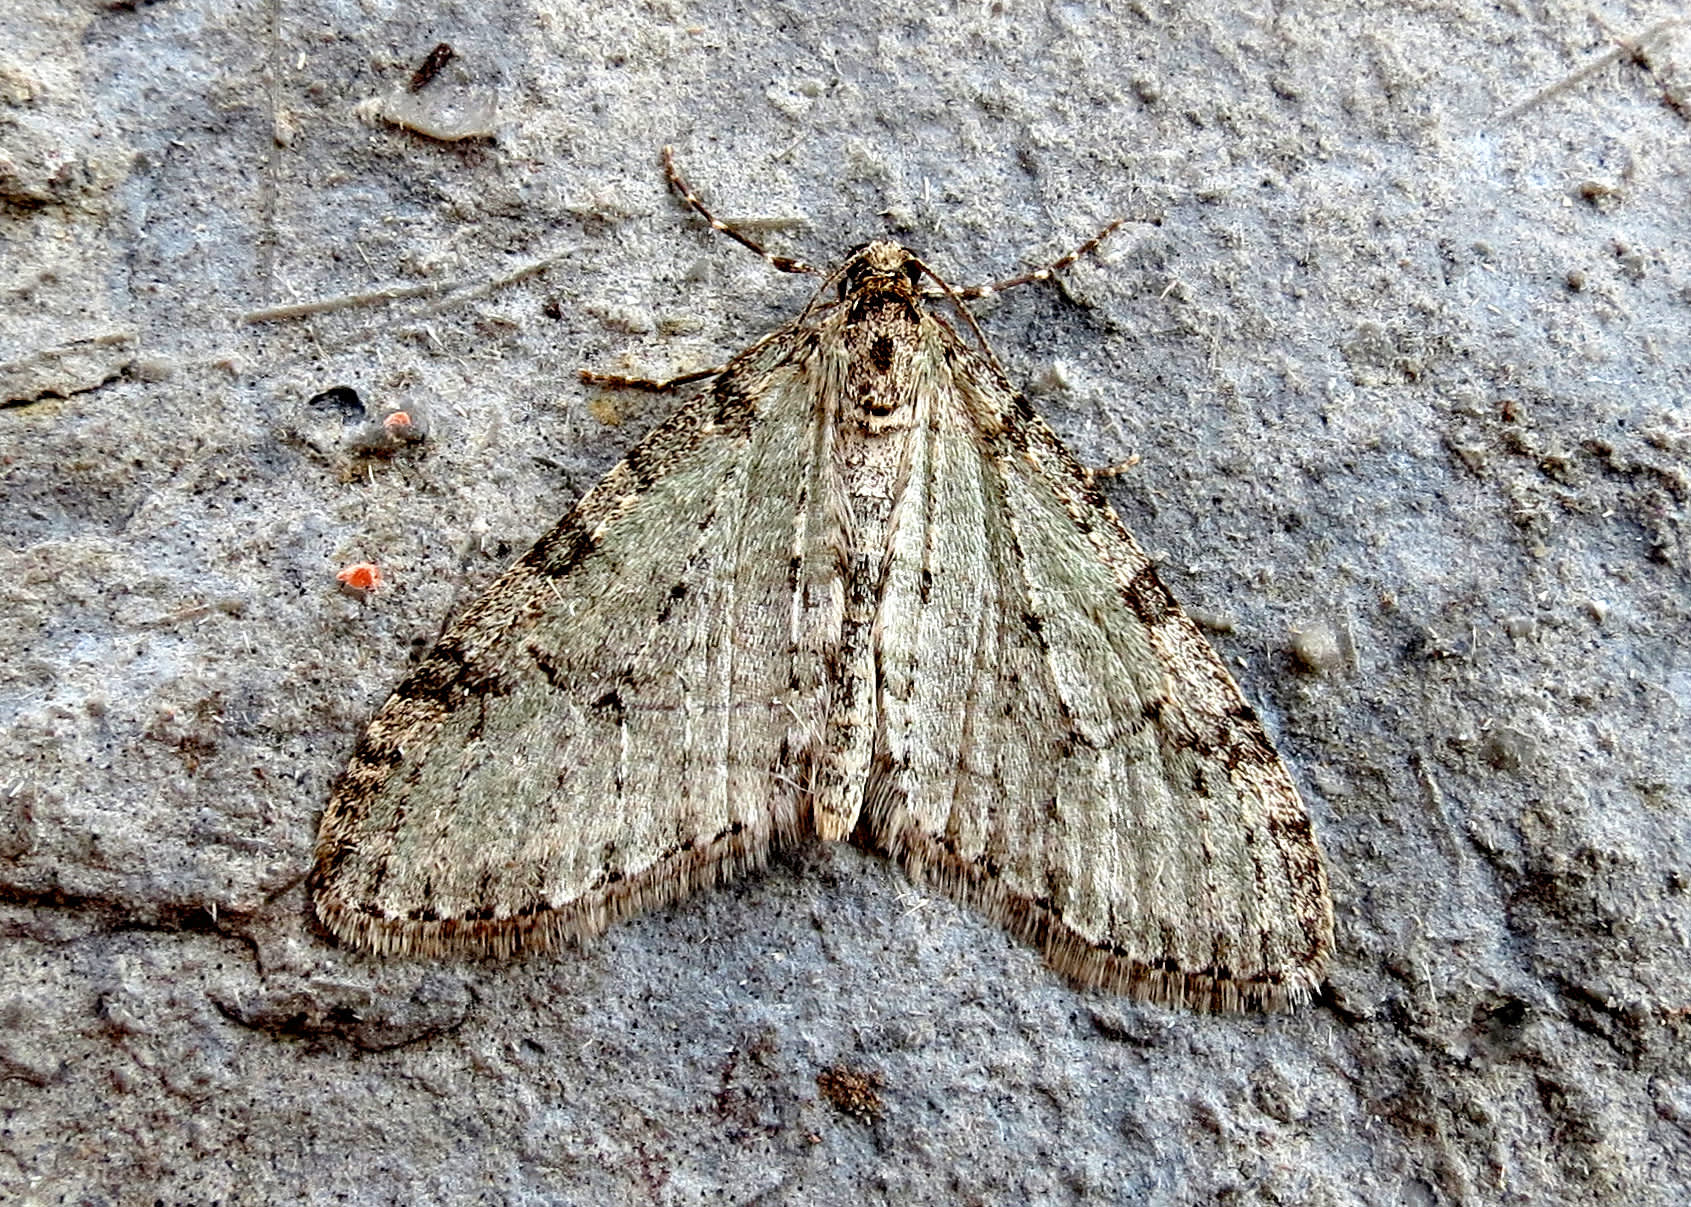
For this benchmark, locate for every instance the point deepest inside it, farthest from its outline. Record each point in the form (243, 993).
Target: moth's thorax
(881, 327)
(886, 355)
(883, 348)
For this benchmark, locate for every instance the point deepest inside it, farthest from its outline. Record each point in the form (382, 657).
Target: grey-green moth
(852, 589)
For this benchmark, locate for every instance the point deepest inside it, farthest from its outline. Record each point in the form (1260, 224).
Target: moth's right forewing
(613, 723)
(1059, 744)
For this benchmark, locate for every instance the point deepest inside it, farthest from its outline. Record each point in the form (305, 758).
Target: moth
(853, 588)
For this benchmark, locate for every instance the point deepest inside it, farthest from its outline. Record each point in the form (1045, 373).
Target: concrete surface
(1405, 367)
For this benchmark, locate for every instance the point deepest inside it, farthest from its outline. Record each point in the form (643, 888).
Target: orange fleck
(362, 577)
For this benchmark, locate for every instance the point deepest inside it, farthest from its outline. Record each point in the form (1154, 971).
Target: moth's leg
(971, 292)
(617, 381)
(782, 263)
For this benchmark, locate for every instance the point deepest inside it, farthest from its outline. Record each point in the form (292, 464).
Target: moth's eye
(913, 272)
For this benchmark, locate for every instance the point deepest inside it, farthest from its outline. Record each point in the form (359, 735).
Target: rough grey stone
(1402, 351)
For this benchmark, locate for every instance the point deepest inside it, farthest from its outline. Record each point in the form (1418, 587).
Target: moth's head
(882, 267)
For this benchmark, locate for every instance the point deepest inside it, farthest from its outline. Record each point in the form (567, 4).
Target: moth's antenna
(975, 292)
(781, 263)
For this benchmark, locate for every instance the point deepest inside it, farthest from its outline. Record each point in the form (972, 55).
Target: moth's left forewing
(1059, 745)
(612, 724)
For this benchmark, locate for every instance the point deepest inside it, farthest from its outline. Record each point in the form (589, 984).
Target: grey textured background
(1406, 372)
